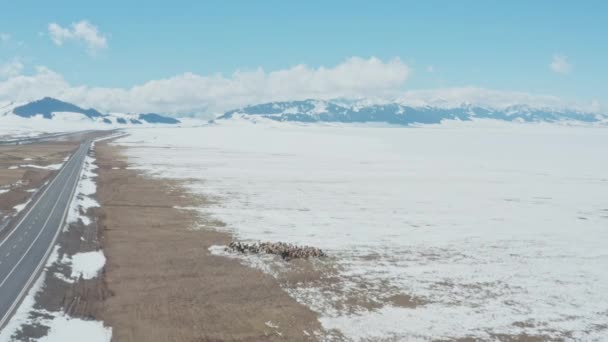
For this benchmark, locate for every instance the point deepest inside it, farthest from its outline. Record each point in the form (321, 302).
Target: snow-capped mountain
(56, 110)
(402, 114)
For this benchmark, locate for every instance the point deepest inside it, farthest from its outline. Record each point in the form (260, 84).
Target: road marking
(65, 166)
(35, 239)
(47, 253)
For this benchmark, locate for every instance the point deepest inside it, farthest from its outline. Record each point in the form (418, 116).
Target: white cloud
(192, 93)
(11, 69)
(81, 31)
(430, 69)
(26, 88)
(187, 93)
(560, 64)
(4, 37)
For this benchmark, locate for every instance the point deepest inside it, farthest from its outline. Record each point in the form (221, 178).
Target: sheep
(284, 250)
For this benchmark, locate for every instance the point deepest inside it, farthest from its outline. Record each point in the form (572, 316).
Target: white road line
(48, 251)
(36, 238)
(65, 166)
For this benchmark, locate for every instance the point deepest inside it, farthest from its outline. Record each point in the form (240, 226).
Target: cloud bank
(192, 93)
(11, 69)
(81, 31)
(206, 95)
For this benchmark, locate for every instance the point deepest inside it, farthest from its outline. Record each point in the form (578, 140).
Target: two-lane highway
(24, 251)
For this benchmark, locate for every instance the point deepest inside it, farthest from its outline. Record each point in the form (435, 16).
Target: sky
(211, 56)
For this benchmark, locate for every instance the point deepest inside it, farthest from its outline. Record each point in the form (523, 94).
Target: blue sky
(506, 45)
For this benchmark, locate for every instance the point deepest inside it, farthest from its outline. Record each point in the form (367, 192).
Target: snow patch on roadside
(19, 207)
(83, 200)
(47, 167)
(87, 264)
(62, 327)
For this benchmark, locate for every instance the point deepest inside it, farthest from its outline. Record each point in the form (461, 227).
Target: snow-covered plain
(497, 228)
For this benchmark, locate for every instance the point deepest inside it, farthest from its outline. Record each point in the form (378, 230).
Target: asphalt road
(25, 249)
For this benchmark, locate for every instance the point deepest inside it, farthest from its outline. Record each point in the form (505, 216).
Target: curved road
(24, 251)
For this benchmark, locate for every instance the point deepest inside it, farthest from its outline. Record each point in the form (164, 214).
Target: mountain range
(53, 109)
(309, 111)
(402, 114)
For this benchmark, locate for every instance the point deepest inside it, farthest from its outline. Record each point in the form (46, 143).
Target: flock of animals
(286, 251)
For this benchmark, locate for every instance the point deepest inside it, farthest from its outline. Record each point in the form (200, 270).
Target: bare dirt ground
(16, 178)
(164, 283)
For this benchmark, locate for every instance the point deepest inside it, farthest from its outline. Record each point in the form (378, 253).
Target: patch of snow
(47, 167)
(271, 325)
(291, 110)
(13, 167)
(64, 328)
(218, 250)
(19, 207)
(83, 200)
(64, 278)
(3, 191)
(87, 264)
(70, 116)
(320, 107)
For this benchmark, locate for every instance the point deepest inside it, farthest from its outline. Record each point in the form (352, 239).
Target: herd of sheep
(284, 250)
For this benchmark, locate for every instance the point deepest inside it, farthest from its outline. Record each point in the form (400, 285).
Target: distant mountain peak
(157, 118)
(50, 108)
(48, 105)
(312, 110)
